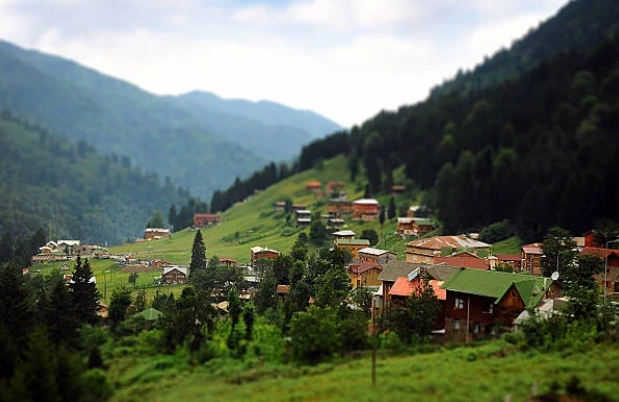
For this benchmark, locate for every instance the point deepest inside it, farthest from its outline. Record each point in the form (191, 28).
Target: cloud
(346, 59)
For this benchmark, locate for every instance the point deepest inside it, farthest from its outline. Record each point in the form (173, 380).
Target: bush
(496, 232)
(314, 335)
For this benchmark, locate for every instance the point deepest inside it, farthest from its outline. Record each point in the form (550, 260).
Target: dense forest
(538, 150)
(45, 180)
(576, 27)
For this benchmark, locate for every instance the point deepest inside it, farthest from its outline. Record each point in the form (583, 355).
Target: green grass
(259, 225)
(484, 373)
(507, 246)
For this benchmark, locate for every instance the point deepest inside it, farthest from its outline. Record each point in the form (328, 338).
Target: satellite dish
(554, 276)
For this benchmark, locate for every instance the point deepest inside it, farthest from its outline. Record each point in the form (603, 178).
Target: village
(480, 293)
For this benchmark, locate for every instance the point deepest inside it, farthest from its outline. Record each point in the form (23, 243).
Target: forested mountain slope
(270, 113)
(276, 142)
(577, 26)
(539, 150)
(45, 179)
(197, 147)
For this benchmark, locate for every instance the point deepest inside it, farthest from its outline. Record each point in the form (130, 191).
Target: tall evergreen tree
(392, 209)
(172, 215)
(62, 326)
(381, 217)
(84, 293)
(198, 256)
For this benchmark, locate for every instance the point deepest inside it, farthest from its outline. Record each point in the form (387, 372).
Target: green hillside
(258, 224)
(47, 181)
(119, 118)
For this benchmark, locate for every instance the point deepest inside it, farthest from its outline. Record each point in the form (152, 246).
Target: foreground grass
(485, 373)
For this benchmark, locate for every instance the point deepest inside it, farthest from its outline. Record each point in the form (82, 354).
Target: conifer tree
(62, 327)
(84, 293)
(381, 217)
(392, 209)
(198, 256)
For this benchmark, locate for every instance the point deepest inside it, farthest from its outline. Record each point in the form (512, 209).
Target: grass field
(507, 246)
(485, 373)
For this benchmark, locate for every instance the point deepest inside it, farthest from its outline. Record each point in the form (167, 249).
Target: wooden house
(156, 233)
(365, 209)
(531, 257)
(477, 301)
(398, 189)
(313, 186)
(352, 245)
(512, 260)
(228, 262)
(201, 220)
(339, 207)
(258, 253)
(279, 205)
(282, 293)
(174, 275)
(464, 259)
(413, 227)
(344, 234)
(438, 246)
(376, 255)
(364, 274)
(405, 286)
(611, 261)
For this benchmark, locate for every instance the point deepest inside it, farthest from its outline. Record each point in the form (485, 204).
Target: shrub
(314, 335)
(496, 232)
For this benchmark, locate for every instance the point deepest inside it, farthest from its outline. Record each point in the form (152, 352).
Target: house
(279, 205)
(397, 189)
(611, 261)
(296, 207)
(512, 260)
(335, 186)
(438, 246)
(174, 275)
(464, 259)
(303, 222)
(531, 257)
(258, 253)
(344, 234)
(282, 292)
(201, 220)
(365, 209)
(335, 223)
(339, 207)
(364, 274)
(370, 254)
(352, 245)
(156, 233)
(412, 211)
(395, 269)
(477, 301)
(228, 262)
(302, 213)
(405, 286)
(412, 227)
(313, 186)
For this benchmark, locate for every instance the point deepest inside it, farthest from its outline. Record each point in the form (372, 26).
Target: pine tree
(381, 217)
(172, 215)
(62, 327)
(84, 293)
(234, 307)
(198, 256)
(392, 209)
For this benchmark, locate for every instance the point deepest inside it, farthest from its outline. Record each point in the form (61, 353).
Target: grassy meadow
(489, 372)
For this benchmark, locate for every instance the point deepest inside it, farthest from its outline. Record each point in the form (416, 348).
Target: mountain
(270, 113)
(577, 26)
(538, 149)
(241, 122)
(197, 147)
(46, 180)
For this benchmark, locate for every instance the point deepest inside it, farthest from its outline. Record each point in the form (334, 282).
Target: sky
(345, 59)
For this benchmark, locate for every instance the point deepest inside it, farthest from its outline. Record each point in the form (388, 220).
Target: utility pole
(373, 343)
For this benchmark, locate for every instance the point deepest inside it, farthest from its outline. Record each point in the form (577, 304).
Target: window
(616, 287)
(457, 324)
(476, 328)
(489, 308)
(459, 302)
(414, 257)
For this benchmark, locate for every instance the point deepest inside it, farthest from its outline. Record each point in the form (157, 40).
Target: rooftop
(358, 269)
(352, 242)
(258, 249)
(174, 267)
(462, 261)
(438, 242)
(533, 248)
(495, 284)
(406, 288)
(373, 251)
(366, 201)
(344, 233)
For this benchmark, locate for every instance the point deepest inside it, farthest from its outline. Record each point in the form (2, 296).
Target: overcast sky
(345, 59)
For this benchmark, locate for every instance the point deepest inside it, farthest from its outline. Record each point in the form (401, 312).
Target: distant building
(366, 209)
(531, 257)
(339, 206)
(156, 233)
(258, 253)
(439, 246)
(352, 245)
(313, 186)
(370, 254)
(201, 220)
(174, 275)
